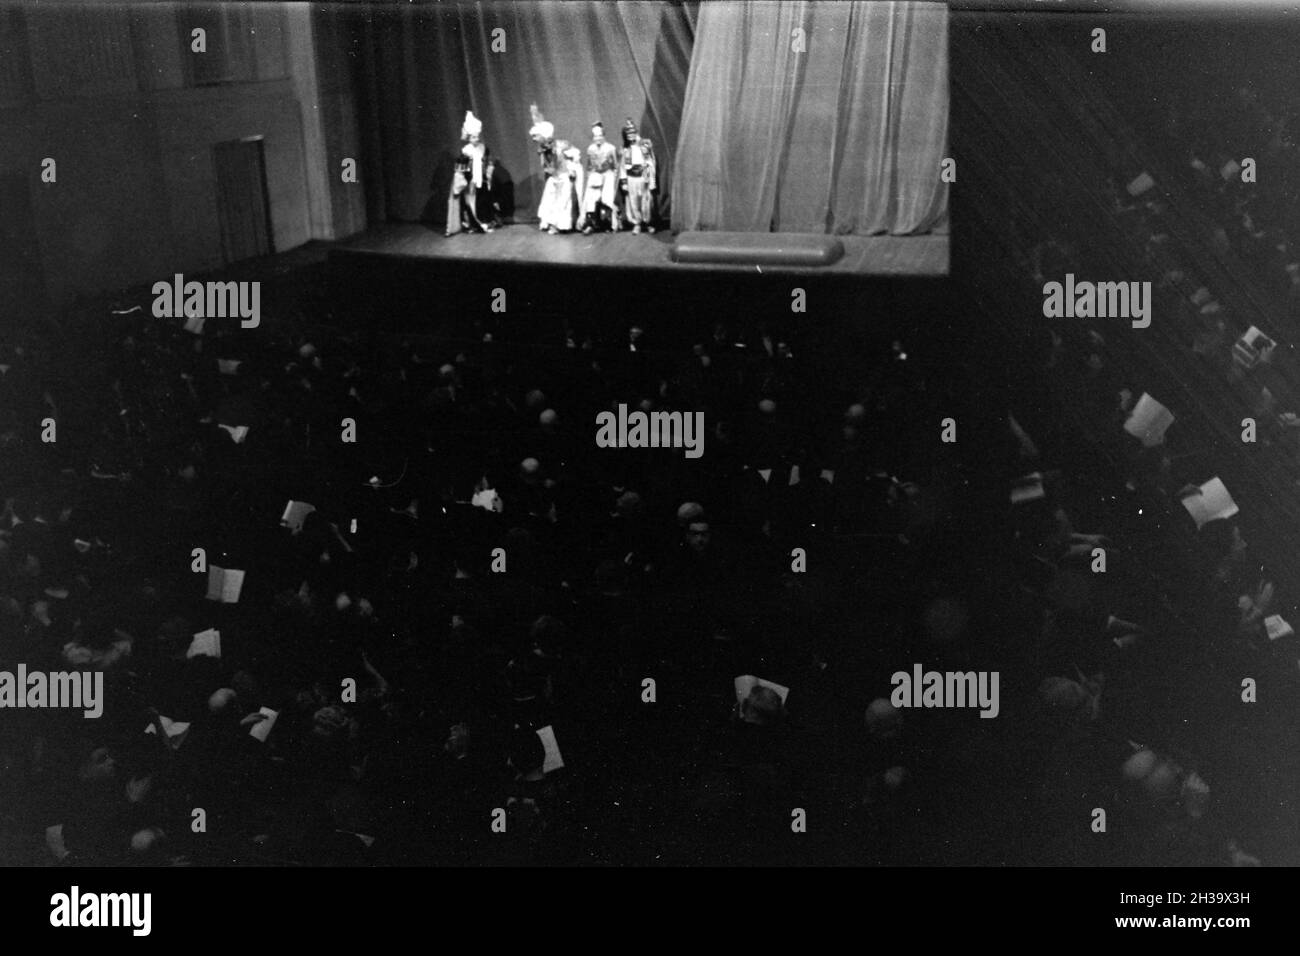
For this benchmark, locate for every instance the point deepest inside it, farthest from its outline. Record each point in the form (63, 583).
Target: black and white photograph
(642, 435)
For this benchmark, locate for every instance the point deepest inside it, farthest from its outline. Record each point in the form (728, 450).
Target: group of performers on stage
(598, 190)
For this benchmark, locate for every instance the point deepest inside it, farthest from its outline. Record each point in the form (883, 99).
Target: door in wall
(22, 271)
(243, 204)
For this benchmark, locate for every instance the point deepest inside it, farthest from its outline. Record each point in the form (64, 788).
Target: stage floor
(925, 256)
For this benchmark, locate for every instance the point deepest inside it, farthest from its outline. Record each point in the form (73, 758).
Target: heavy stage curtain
(845, 136)
(423, 66)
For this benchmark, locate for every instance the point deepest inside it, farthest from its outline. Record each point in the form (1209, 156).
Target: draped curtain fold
(846, 135)
(580, 62)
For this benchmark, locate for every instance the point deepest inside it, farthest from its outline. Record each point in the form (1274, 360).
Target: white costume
(562, 166)
(601, 193)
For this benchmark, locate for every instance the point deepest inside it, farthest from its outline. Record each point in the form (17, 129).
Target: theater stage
(410, 279)
(914, 256)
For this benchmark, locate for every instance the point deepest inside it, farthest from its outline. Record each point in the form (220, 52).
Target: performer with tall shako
(472, 207)
(637, 169)
(598, 201)
(571, 162)
(562, 167)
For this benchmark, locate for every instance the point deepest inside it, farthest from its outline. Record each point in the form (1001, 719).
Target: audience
(475, 570)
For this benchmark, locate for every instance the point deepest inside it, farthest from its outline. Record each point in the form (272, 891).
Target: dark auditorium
(738, 433)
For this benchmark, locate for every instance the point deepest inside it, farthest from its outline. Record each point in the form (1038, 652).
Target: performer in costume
(562, 166)
(598, 201)
(572, 157)
(637, 167)
(471, 206)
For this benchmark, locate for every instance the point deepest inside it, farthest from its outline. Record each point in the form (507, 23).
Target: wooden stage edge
(875, 256)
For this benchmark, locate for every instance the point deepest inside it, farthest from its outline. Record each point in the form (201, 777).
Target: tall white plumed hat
(540, 126)
(472, 125)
